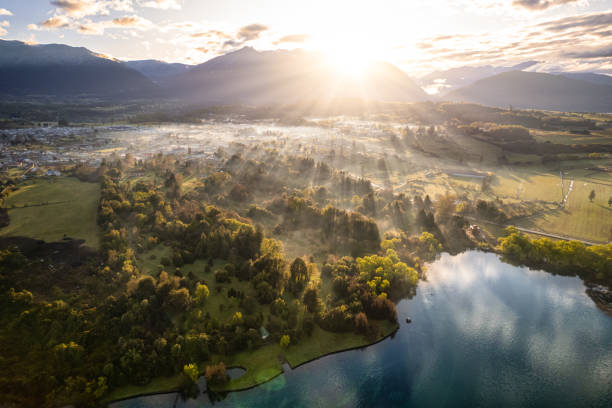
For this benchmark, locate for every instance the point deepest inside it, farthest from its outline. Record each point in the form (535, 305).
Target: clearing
(50, 209)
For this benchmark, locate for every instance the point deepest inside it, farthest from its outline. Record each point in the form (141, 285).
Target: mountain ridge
(536, 90)
(284, 76)
(62, 70)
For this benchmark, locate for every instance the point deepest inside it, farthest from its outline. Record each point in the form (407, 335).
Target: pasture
(51, 209)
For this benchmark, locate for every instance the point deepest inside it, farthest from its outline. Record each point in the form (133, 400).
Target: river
(483, 333)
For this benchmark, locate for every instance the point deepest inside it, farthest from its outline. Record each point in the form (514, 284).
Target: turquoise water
(483, 334)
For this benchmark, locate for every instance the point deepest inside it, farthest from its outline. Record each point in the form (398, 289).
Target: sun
(350, 62)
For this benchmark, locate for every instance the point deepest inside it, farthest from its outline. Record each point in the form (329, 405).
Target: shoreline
(245, 388)
(386, 336)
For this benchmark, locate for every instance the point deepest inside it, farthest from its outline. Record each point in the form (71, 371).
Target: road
(544, 234)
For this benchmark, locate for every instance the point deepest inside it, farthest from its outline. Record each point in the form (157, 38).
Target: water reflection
(483, 333)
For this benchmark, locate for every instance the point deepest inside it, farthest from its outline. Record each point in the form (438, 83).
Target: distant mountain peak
(288, 76)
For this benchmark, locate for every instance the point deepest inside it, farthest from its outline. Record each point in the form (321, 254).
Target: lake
(483, 333)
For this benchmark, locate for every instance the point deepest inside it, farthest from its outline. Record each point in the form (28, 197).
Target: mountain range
(455, 78)
(281, 76)
(56, 69)
(534, 90)
(157, 70)
(251, 76)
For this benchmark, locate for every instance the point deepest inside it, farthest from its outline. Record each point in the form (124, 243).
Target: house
(475, 231)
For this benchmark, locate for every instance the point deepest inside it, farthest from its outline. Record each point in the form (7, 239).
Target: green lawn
(157, 385)
(580, 218)
(48, 209)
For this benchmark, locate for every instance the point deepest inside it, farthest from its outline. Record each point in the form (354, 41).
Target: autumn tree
(285, 341)
(201, 293)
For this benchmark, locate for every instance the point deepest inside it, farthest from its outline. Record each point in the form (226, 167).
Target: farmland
(51, 209)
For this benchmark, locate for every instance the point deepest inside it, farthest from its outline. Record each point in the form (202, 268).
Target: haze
(418, 37)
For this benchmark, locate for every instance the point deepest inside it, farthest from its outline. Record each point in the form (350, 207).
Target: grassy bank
(50, 209)
(265, 363)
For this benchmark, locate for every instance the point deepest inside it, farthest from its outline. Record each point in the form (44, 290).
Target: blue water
(483, 334)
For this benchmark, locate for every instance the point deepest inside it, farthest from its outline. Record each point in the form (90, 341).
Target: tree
(191, 372)
(361, 323)
(201, 293)
(445, 206)
(311, 299)
(299, 276)
(610, 201)
(285, 341)
(592, 195)
(216, 374)
(179, 299)
(279, 308)
(237, 318)
(427, 203)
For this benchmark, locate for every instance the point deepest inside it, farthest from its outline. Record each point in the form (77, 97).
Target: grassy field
(596, 137)
(538, 188)
(157, 385)
(580, 218)
(50, 209)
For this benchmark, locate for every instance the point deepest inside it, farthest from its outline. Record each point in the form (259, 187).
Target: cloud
(5, 23)
(598, 52)
(581, 42)
(162, 4)
(90, 29)
(97, 28)
(83, 8)
(540, 4)
(293, 38)
(131, 21)
(251, 31)
(591, 21)
(232, 44)
(424, 45)
(80, 8)
(210, 34)
(55, 22)
(5, 12)
(218, 41)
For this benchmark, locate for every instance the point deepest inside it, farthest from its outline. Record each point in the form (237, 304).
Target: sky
(417, 36)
